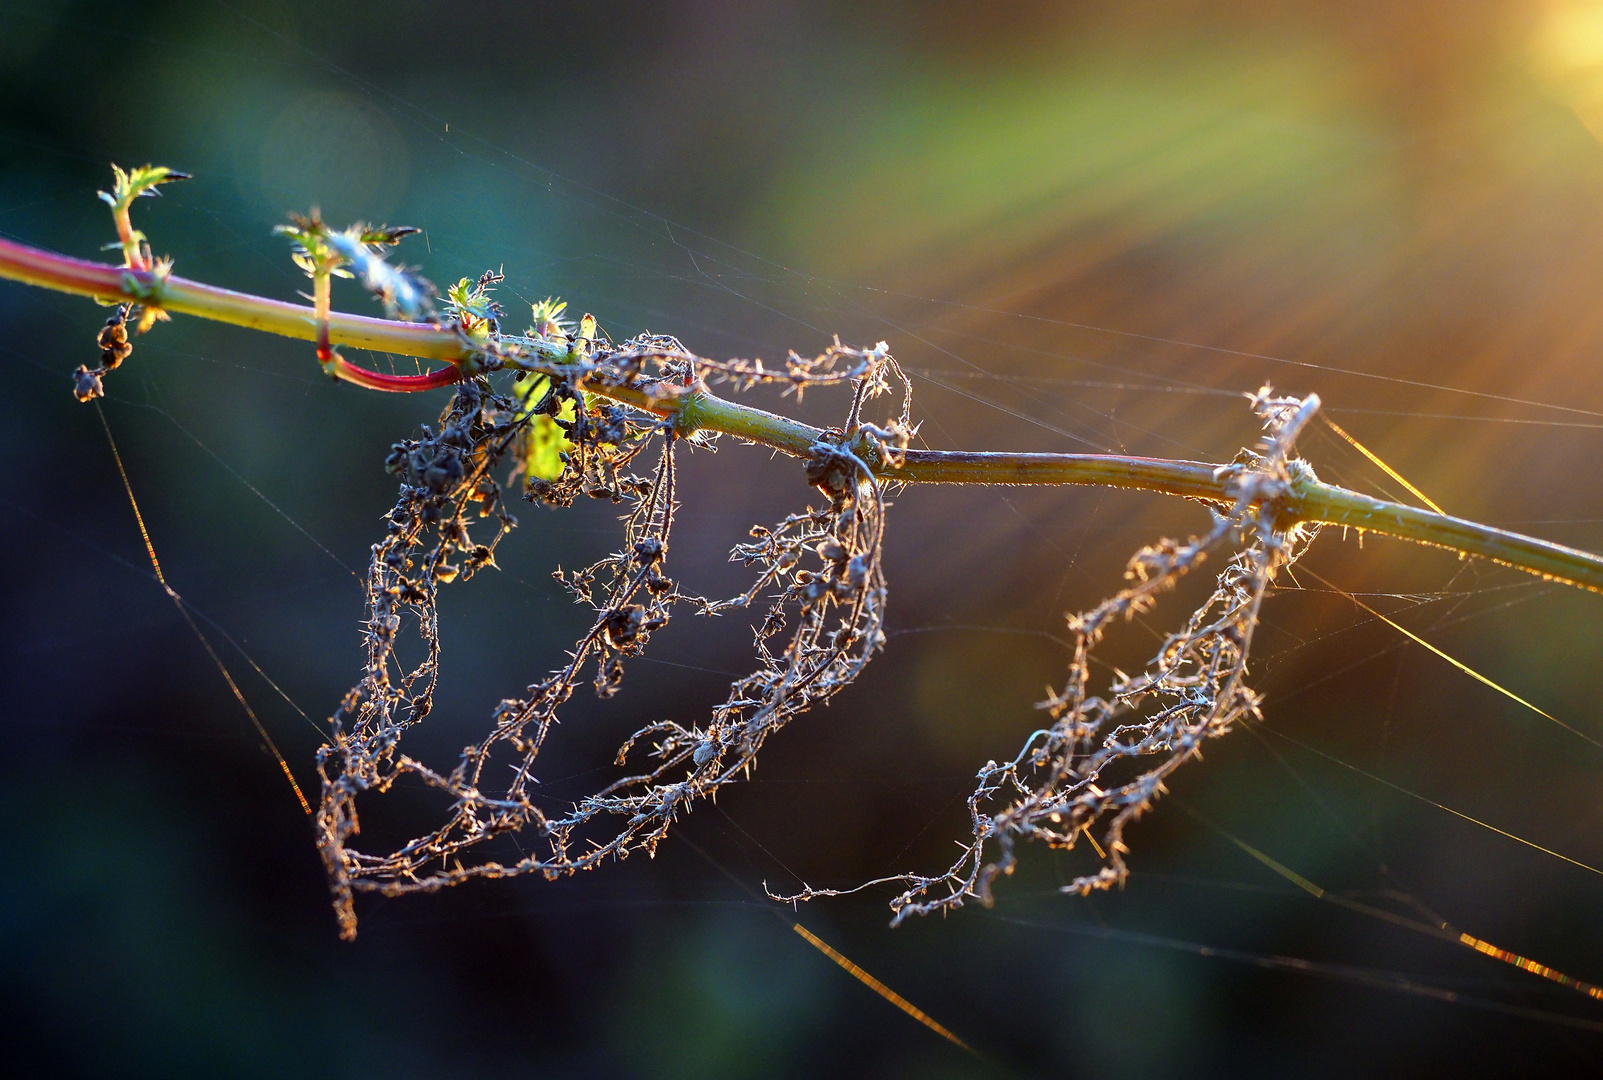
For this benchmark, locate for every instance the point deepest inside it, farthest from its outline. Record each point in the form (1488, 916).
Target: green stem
(322, 308)
(1310, 501)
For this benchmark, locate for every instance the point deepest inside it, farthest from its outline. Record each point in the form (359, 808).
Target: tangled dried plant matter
(1104, 759)
(820, 572)
(582, 413)
(818, 569)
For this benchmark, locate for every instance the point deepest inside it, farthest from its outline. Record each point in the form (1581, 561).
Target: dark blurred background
(1082, 226)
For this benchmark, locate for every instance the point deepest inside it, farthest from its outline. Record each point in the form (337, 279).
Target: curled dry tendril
(1101, 762)
(1104, 759)
(819, 570)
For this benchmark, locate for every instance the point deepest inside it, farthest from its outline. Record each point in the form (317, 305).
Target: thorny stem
(1308, 501)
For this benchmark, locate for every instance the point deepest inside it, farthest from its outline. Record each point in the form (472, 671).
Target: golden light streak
(880, 988)
(1532, 966)
(178, 602)
(1385, 468)
(1459, 664)
(1443, 932)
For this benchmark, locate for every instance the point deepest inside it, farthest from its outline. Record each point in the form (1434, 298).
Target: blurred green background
(1082, 226)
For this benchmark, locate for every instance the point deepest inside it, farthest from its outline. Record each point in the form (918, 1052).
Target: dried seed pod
(86, 385)
(114, 349)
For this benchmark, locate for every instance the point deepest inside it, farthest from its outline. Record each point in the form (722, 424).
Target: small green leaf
(386, 235)
(320, 250)
(549, 325)
(130, 185)
(471, 298)
(544, 442)
(544, 446)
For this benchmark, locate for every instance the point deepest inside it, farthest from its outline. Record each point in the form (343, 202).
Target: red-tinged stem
(179, 296)
(117, 284)
(394, 384)
(322, 292)
(125, 233)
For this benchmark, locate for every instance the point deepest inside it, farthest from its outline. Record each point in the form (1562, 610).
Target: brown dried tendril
(819, 569)
(1104, 759)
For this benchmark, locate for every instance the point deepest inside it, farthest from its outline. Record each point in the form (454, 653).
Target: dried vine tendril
(819, 570)
(1105, 759)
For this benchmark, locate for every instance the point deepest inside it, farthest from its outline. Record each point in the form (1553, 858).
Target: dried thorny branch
(819, 570)
(1104, 759)
(581, 415)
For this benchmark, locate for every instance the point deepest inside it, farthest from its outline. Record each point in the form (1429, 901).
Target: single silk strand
(1459, 664)
(1432, 802)
(880, 988)
(1385, 468)
(1532, 966)
(1442, 932)
(178, 602)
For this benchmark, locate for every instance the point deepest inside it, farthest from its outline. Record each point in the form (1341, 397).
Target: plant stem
(125, 235)
(322, 308)
(1310, 501)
